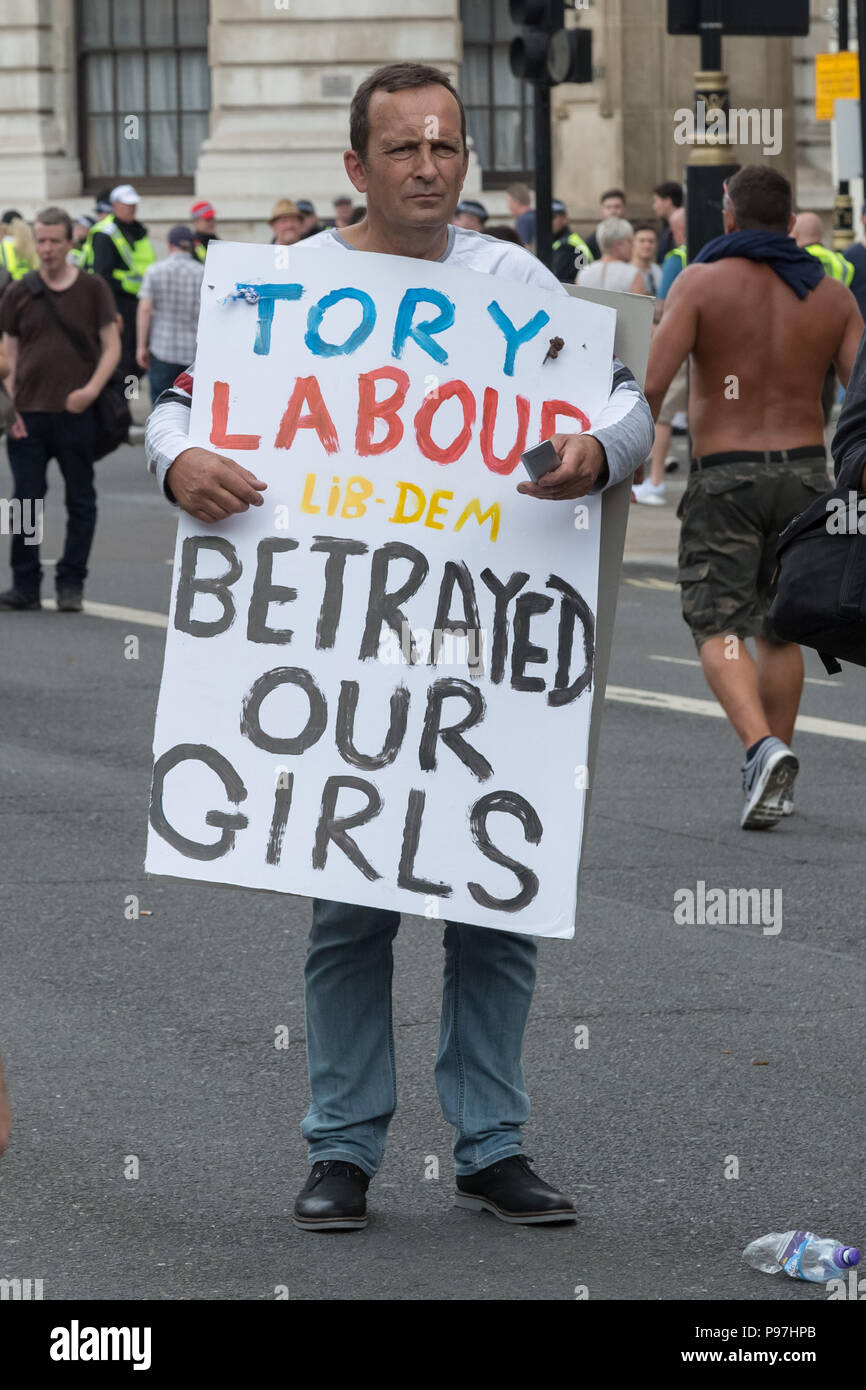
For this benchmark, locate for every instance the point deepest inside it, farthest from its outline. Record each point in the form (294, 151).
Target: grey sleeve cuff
(624, 428)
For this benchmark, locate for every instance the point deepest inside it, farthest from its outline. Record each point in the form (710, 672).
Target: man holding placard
(444, 507)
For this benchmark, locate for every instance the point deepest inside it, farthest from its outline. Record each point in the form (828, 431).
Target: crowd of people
(765, 300)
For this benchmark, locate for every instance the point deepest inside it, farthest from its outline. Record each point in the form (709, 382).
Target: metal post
(709, 163)
(843, 208)
(543, 176)
(861, 46)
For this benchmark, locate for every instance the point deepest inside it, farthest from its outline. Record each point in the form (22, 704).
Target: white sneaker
(649, 494)
(768, 781)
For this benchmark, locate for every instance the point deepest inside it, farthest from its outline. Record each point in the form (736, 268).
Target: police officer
(203, 222)
(121, 253)
(567, 246)
(471, 214)
(81, 229)
(809, 233)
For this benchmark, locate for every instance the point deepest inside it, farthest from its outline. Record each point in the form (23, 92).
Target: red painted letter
(424, 419)
(551, 409)
(488, 426)
(220, 419)
(370, 410)
(306, 390)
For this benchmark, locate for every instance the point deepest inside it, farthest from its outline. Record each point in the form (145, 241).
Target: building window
(143, 91)
(498, 105)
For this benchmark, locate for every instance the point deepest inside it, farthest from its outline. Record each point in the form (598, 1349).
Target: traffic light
(546, 53)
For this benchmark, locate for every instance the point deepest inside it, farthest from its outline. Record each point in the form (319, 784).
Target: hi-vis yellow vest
(17, 266)
(834, 265)
(136, 258)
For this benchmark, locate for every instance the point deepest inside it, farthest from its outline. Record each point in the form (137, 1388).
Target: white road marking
(650, 699)
(142, 616)
(651, 583)
(690, 661)
(684, 704)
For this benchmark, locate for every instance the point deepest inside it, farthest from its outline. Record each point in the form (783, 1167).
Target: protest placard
(377, 686)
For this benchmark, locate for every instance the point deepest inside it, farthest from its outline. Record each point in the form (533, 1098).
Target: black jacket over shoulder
(849, 441)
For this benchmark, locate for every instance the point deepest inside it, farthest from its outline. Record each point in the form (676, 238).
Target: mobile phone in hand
(540, 460)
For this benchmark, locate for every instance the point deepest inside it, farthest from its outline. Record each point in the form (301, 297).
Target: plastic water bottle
(801, 1255)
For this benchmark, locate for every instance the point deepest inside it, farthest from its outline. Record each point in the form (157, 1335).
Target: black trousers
(68, 438)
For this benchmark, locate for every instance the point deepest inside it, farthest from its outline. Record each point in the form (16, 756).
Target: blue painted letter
(267, 296)
(317, 345)
(515, 337)
(420, 332)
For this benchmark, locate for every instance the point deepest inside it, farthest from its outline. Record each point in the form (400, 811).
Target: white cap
(124, 193)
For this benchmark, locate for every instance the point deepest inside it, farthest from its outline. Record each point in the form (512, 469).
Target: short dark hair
(55, 217)
(613, 193)
(395, 77)
(761, 199)
(646, 227)
(671, 190)
(503, 233)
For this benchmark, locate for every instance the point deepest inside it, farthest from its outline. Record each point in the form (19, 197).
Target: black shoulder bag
(821, 597)
(110, 408)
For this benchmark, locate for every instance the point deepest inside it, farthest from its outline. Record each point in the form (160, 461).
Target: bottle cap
(846, 1256)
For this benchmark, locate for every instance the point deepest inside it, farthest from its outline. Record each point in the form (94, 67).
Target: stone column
(38, 153)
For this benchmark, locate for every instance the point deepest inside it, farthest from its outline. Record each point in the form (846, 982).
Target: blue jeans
(162, 375)
(69, 439)
(489, 979)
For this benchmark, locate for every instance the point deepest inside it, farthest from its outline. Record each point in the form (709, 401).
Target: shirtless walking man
(763, 323)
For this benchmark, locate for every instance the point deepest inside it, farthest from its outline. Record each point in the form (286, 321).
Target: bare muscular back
(759, 354)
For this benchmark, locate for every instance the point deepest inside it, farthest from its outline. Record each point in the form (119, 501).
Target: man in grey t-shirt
(409, 156)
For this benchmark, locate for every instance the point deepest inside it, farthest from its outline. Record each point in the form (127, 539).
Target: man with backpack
(60, 333)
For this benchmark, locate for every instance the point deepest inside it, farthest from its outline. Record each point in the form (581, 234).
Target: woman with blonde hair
(18, 247)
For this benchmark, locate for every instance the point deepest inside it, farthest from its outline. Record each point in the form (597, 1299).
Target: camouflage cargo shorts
(732, 514)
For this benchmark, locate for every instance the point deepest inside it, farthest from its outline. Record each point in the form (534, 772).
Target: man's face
(559, 222)
(308, 221)
(645, 244)
(468, 219)
(52, 246)
(415, 163)
(612, 207)
(342, 213)
(286, 230)
(205, 224)
(124, 212)
(662, 207)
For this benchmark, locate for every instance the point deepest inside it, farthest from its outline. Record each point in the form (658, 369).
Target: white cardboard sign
(377, 686)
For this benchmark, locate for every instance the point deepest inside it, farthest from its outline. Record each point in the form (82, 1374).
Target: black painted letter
(188, 586)
(514, 805)
(228, 821)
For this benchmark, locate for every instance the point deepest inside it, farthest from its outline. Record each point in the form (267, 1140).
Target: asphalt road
(154, 1038)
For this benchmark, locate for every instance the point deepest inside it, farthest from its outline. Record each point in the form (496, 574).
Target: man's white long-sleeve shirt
(624, 427)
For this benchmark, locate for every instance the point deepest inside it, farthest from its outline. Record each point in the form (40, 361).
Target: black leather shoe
(13, 599)
(334, 1197)
(70, 600)
(510, 1190)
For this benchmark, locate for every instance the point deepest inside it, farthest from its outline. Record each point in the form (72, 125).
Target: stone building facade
(246, 101)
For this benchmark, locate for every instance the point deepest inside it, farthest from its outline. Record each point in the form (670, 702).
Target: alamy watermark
(731, 907)
(738, 126)
(441, 647)
(847, 518)
(19, 518)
